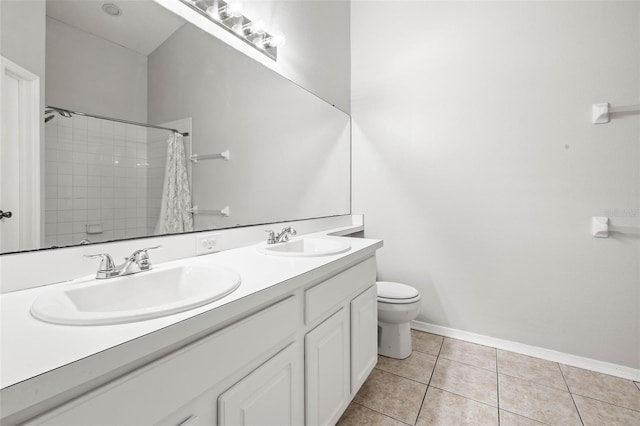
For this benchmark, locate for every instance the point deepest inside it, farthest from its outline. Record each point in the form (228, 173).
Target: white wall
(22, 34)
(316, 55)
(89, 74)
(475, 159)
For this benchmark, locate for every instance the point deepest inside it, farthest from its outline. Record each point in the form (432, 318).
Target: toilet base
(394, 340)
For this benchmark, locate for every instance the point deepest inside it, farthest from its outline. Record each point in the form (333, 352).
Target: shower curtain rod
(118, 120)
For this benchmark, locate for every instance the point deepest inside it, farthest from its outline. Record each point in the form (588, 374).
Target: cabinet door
(364, 336)
(327, 370)
(271, 395)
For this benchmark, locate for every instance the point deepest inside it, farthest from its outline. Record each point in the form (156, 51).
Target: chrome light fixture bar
(228, 15)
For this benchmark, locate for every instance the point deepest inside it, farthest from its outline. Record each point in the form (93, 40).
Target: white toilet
(398, 304)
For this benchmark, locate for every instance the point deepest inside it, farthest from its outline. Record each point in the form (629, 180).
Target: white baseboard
(535, 351)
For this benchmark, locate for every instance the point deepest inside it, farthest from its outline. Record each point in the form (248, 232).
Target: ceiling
(142, 26)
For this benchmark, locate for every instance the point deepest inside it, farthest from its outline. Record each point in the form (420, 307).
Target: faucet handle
(290, 230)
(286, 233)
(271, 239)
(151, 248)
(142, 257)
(107, 268)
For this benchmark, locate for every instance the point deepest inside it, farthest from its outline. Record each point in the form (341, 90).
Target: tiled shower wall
(97, 180)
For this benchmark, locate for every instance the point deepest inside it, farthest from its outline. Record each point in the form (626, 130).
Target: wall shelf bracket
(225, 211)
(197, 157)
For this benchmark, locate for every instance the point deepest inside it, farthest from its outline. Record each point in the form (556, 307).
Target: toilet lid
(396, 291)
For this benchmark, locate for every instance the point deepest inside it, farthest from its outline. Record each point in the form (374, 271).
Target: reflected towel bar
(197, 157)
(222, 212)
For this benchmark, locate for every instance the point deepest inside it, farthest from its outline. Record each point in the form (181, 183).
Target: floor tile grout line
(526, 417)
(465, 397)
(471, 365)
(476, 344)
(452, 393)
(531, 381)
(571, 394)
(380, 412)
(597, 399)
(605, 402)
(535, 383)
(411, 380)
(424, 398)
(498, 386)
(403, 377)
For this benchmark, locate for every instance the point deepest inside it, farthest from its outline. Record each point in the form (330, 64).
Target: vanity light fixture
(228, 15)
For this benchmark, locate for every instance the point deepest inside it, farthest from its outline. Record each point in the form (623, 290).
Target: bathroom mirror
(102, 179)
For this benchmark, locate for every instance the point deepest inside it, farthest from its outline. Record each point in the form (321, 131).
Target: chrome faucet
(138, 261)
(282, 237)
(107, 268)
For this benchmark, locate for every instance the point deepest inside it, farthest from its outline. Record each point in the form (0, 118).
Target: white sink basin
(164, 290)
(308, 247)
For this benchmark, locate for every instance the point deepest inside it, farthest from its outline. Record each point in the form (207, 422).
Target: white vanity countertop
(31, 347)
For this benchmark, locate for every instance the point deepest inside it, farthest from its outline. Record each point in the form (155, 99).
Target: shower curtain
(176, 196)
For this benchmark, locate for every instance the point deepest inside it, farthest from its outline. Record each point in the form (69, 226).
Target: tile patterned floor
(450, 382)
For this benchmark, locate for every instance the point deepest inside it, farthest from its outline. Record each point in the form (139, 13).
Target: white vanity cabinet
(297, 358)
(185, 385)
(342, 350)
(327, 370)
(364, 336)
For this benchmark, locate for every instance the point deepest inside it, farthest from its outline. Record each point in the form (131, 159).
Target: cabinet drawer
(168, 383)
(320, 299)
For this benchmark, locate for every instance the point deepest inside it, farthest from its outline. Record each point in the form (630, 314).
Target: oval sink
(305, 247)
(161, 291)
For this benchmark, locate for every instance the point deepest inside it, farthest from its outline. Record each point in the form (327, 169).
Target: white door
(327, 370)
(9, 170)
(19, 158)
(364, 337)
(272, 395)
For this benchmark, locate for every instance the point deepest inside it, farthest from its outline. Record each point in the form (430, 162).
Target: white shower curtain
(176, 196)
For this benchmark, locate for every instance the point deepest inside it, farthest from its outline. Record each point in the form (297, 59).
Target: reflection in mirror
(106, 178)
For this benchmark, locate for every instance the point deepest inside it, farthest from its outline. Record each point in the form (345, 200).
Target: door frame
(30, 122)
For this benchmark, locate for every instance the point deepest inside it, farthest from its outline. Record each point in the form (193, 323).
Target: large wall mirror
(105, 178)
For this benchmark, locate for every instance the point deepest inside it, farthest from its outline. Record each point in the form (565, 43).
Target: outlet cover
(207, 243)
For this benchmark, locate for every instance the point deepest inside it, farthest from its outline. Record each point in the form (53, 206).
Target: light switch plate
(207, 243)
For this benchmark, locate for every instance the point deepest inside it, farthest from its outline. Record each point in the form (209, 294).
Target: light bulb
(213, 12)
(277, 39)
(259, 41)
(234, 9)
(238, 28)
(258, 27)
